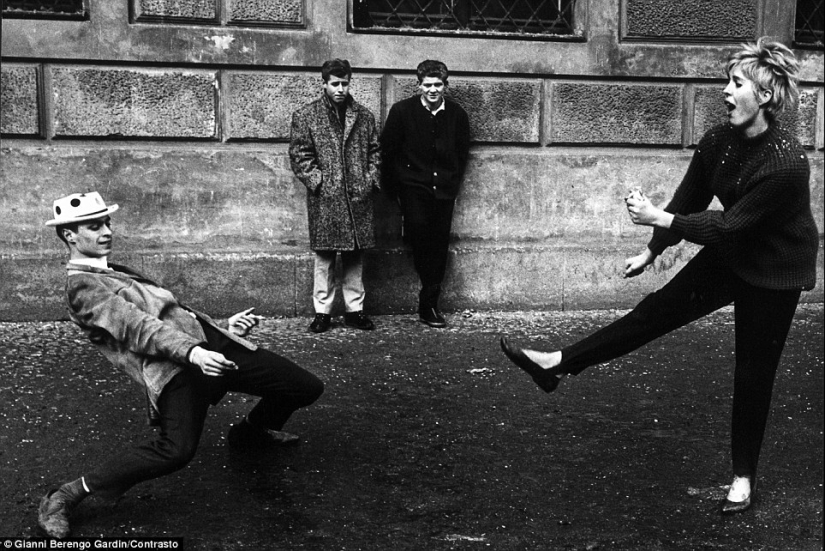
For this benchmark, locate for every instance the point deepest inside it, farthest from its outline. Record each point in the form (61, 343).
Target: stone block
(185, 9)
(803, 119)
(534, 196)
(261, 280)
(709, 110)
(284, 12)
(169, 198)
(616, 113)
(261, 105)
(145, 103)
(18, 100)
(500, 111)
(593, 274)
(695, 19)
(504, 277)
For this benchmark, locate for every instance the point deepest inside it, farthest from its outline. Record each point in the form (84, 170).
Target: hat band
(93, 213)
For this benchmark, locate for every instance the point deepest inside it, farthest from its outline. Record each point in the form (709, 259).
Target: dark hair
(432, 68)
(336, 67)
(59, 229)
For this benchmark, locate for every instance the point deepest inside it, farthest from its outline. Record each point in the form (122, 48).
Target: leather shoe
(321, 323)
(544, 378)
(53, 514)
(732, 507)
(245, 436)
(358, 320)
(432, 317)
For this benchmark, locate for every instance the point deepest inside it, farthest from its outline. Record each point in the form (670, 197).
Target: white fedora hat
(79, 207)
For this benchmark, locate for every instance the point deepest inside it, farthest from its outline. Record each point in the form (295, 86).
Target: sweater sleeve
(96, 307)
(769, 193)
(692, 196)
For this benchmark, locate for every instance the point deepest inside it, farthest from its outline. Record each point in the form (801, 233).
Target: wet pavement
(429, 439)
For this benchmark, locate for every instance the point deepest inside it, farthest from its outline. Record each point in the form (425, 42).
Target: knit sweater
(426, 150)
(766, 232)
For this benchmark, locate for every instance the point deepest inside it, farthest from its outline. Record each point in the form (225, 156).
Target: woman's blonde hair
(770, 66)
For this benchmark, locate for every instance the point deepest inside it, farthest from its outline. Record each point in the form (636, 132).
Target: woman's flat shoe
(545, 379)
(732, 507)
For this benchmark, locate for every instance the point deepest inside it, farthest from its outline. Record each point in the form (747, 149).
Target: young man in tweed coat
(334, 152)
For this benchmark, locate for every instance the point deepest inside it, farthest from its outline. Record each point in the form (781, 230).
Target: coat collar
(115, 270)
(350, 116)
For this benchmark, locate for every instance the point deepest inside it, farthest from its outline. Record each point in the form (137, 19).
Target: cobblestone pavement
(429, 439)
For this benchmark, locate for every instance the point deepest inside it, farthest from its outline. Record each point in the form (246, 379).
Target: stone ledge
(479, 277)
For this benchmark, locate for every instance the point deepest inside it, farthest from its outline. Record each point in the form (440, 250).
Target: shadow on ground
(428, 439)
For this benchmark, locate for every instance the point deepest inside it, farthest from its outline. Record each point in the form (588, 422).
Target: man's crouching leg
(283, 387)
(182, 414)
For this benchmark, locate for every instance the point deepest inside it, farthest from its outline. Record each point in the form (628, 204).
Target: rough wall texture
(189, 9)
(18, 100)
(616, 113)
(709, 110)
(261, 105)
(730, 19)
(267, 11)
(134, 103)
(499, 110)
(182, 117)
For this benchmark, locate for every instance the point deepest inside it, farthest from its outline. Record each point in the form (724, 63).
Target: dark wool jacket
(424, 150)
(766, 231)
(340, 167)
(139, 326)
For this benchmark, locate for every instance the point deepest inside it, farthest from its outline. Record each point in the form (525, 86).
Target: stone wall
(179, 112)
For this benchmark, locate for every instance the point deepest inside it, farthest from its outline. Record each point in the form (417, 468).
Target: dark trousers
(762, 319)
(282, 385)
(427, 223)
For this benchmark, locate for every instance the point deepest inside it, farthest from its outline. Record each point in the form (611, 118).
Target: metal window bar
(810, 22)
(44, 7)
(513, 16)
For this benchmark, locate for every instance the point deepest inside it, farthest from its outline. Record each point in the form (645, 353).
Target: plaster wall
(185, 124)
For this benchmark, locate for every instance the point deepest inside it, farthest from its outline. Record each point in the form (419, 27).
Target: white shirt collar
(102, 262)
(440, 107)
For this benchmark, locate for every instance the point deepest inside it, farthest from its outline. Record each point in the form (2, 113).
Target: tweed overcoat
(341, 168)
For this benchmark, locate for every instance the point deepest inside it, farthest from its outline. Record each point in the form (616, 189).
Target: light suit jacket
(139, 326)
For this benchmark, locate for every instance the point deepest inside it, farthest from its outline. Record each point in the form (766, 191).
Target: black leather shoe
(432, 317)
(545, 378)
(245, 436)
(733, 507)
(358, 320)
(321, 323)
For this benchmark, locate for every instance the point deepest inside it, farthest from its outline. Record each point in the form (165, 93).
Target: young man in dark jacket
(425, 146)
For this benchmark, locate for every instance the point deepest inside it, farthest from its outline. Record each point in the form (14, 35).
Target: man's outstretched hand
(242, 323)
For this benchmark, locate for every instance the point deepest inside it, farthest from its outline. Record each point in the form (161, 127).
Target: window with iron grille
(810, 20)
(529, 18)
(45, 9)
